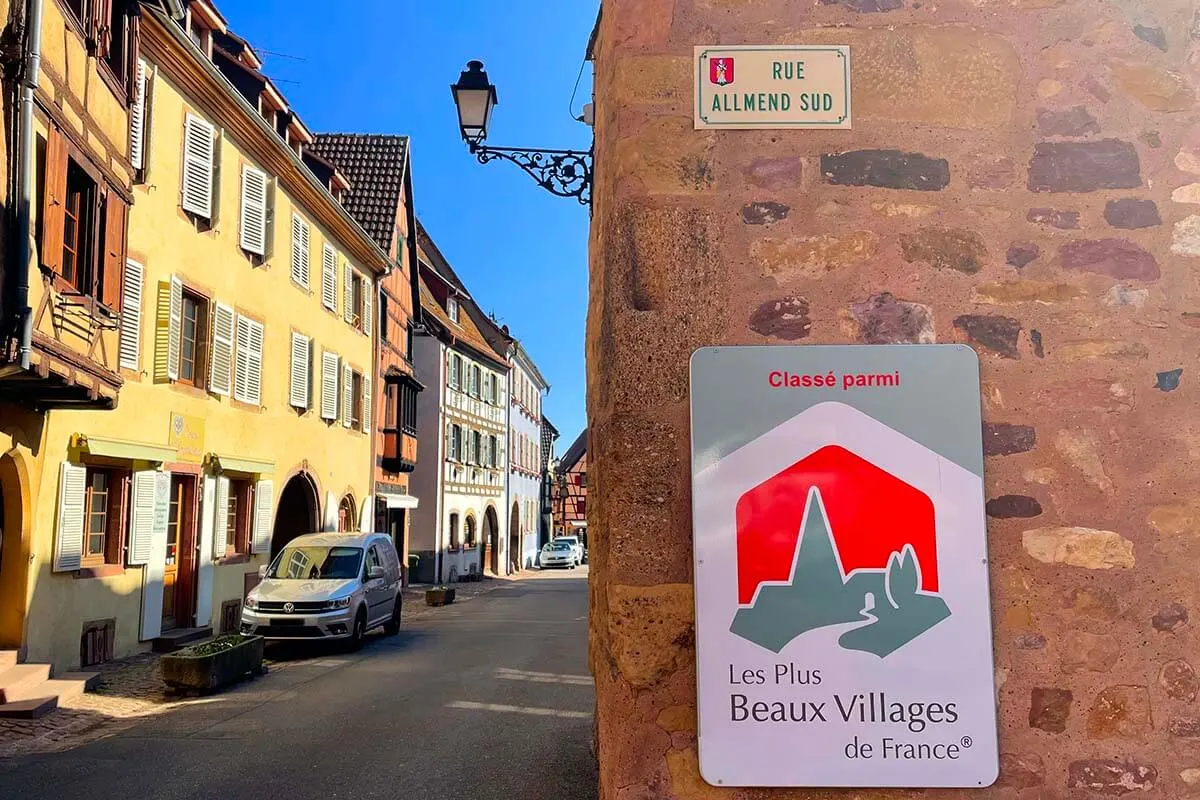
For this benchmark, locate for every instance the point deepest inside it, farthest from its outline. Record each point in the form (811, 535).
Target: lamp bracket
(566, 173)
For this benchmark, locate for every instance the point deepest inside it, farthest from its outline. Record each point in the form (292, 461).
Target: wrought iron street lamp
(566, 173)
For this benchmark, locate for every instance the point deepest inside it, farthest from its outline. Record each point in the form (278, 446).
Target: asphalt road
(484, 699)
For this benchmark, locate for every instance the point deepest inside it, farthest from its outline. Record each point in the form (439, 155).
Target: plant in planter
(439, 596)
(214, 665)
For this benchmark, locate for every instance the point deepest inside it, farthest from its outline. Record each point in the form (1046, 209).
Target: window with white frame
(452, 309)
(456, 442)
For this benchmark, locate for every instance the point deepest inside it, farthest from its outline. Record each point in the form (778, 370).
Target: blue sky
(382, 66)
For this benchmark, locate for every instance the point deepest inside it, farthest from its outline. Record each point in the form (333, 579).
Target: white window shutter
(366, 404)
(152, 574)
(329, 278)
(204, 566)
(264, 510)
(220, 518)
(347, 394)
(241, 369)
(348, 294)
(329, 385)
(198, 162)
(175, 329)
(254, 360)
(301, 236)
(300, 378)
(254, 211)
(141, 517)
(130, 347)
(367, 305)
(68, 543)
(137, 119)
(222, 350)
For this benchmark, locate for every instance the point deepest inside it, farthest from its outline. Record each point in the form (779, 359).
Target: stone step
(29, 709)
(179, 638)
(67, 685)
(8, 658)
(16, 682)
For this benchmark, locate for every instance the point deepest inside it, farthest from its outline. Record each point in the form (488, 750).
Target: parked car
(558, 554)
(327, 586)
(576, 545)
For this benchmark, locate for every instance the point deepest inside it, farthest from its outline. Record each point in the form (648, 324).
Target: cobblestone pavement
(131, 689)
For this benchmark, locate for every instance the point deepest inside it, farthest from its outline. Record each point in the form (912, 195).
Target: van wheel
(355, 642)
(392, 626)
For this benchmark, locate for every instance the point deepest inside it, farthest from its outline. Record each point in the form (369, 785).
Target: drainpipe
(25, 166)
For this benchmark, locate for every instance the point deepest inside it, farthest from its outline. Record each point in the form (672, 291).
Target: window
(408, 409)
(452, 309)
(583, 479)
(356, 401)
(104, 517)
(383, 316)
(456, 364)
(81, 9)
(77, 229)
(474, 387)
(330, 368)
(115, 43)
(346, 514)
(99, 487)
(456, 442)
(238, 514)
(454, 531)
(476, 447)
(356, 296)
(469, 536)
(193, 340)
(494, 451)
(391, 406)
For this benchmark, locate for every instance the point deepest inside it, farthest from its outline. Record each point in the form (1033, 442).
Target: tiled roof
(464, 331)
(575, 452)
(374, 164)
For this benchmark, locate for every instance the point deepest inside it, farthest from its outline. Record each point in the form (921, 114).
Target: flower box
(213, 665)
(439, 597)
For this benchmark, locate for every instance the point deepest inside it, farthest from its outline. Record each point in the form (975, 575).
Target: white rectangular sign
(775, 86)
(843, 617)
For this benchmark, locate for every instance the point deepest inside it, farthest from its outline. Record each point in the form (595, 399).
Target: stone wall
(1024, 176)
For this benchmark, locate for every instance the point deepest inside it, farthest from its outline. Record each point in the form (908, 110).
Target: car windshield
(571, 541)
(317, 562)
(558, 546)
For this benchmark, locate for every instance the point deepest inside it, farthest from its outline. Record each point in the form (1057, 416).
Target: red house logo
(835, 540)
(720, 71)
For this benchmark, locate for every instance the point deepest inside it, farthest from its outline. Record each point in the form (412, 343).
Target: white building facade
(527, 390)
(457, 531)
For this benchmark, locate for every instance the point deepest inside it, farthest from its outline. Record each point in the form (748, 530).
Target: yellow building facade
(61, 311)
(245, 350)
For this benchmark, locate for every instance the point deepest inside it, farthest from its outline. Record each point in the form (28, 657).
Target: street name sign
(843, 620)
(794, 86)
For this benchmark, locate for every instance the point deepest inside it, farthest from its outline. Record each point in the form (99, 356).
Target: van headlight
(251, 602)
(332, 605)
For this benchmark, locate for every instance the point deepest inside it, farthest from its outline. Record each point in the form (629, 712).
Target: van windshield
(316, 563)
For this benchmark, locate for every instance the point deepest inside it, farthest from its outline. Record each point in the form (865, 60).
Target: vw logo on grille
(288, 608)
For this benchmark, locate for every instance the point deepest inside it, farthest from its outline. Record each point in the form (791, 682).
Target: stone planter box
(439, 597)
(213, 665)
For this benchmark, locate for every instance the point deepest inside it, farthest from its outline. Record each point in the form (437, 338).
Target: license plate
(287, 623)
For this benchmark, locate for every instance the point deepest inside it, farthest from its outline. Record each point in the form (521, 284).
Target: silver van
(327, 586)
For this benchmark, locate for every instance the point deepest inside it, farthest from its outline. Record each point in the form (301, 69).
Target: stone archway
(297, 513)
(490, 552)
(515, 555)
(15, 545)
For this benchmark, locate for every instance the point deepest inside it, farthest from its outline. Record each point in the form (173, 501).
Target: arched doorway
(297, 512)
(515, 556)
(490, 552)
(346, 515)
(14, 552)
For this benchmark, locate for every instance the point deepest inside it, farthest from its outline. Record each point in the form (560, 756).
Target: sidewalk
(131, 689)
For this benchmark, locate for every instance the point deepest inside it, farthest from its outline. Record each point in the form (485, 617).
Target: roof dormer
(201, 21)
